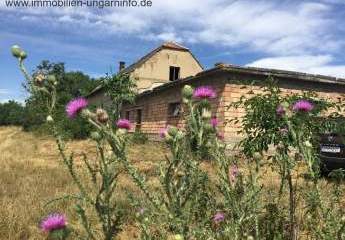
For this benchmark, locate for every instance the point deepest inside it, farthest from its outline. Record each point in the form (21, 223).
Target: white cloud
(291, 28)
(318, 64)
(5, 100)
(4, 91)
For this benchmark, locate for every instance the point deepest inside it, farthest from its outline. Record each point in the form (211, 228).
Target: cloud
(4, 91)
(318, 64)
(5, 100)
(263, 26)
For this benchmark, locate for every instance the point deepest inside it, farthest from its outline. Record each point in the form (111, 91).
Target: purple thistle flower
(218, 217)
(124, 124)
(302, 106)
(163, 132)
(233, 173)
(214, 122)
(75, 106)
(204, 92)
(280, 111)
(53, 222)
(220, 136)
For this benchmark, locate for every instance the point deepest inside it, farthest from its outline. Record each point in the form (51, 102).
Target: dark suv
(332, 152)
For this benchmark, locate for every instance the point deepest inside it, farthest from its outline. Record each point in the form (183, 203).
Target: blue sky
(305, 36)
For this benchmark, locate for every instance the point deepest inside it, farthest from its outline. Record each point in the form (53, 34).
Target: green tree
(69, 85)
(120, 88)
(11, 113)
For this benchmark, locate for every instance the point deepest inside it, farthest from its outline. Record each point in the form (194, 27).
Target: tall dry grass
(31, 174)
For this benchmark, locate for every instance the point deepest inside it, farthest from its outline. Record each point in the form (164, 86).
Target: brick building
(160, 106)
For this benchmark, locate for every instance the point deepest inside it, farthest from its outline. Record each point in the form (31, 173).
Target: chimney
(220, 64)
(122, 65)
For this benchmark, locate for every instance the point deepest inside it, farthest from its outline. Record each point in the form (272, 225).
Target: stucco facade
(155, 69)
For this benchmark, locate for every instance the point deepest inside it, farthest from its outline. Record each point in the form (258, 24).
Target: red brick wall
(229, 89)
(233, 92)
(155, 107)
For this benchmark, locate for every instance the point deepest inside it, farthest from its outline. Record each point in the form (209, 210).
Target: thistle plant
(240, 203)
(184, 195)
(102, 172)
(325, 216)
(200, 124)
(186, 203)
(290, 126)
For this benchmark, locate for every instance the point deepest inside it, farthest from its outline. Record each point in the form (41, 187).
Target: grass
(31, 174)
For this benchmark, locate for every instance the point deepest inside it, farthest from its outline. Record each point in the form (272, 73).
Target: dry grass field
(31, 174)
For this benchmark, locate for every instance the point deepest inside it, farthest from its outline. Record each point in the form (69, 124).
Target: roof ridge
(174, 44)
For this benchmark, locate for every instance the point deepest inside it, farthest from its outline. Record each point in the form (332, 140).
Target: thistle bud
(121, 131)
(95, 136)
(285, 105)
(179, 135)
(23, 55)
(168, 138)
(187, 92)
(308, 144)
(206, 113)
(208, 127)
(86, 113)
(16, 51)
(50, 119)
(39, 79)
(102, 115)
(172, 131)
(52, 79)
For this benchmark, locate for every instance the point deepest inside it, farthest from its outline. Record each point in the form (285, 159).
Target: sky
(306, 36)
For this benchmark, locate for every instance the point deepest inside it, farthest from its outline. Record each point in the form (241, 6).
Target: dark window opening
(174, 73)
(174, 109)
(127, 115)
(139, 117)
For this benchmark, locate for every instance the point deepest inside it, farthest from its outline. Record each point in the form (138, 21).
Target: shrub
(138, 137)
(11, 113)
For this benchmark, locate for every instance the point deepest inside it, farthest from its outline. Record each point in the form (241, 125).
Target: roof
(264, 72)
(165, 45)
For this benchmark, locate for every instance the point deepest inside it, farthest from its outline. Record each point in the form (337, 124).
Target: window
(174, 109)
(174, 73)
(127, 115)
(139, 116)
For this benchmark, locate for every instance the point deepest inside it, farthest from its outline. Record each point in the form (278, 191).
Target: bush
(138, 137)
(68, 85)
(11, 113)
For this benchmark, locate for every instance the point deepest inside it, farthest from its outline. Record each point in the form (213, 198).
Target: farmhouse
(162, 73)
